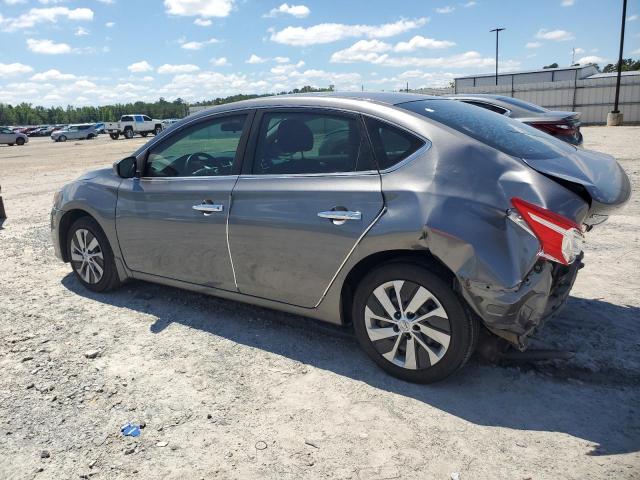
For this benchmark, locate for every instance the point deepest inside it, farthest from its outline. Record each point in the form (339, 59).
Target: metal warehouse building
(578, 89)
(529, 76)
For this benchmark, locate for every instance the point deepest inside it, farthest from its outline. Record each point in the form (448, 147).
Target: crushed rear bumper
(516, 314)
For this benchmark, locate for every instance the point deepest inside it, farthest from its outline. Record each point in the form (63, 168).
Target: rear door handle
(208, 208)
(341, 215)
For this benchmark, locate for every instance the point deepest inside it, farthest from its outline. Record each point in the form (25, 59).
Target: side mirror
(125, 168)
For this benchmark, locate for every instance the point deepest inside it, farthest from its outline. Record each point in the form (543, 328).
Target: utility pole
(498, 30)
(573, 56)
(407, 87)
(614, 118)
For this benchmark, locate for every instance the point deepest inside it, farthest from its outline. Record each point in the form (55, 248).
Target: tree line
(27, 114)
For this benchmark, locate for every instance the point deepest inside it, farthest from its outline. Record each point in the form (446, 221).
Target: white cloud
(447, 9)
(332, 32)
(47, 47)
(469, 4)
(533, 45)
(255, 59)
(568, 3)
(220, 62)
(591, 59)
(45, 15)
(298, 11)
(281, 59)
(83, 84)
(140, 67)
(636, 52)
(199, 8)
(632, 18)
(579, 50)
(109, 24)
(555, 35)
(463, 60)
(14, 2)
(11, 69)
(187, 68)
(81, 31)
(202, 22)
(52, 75)
(421, 42)
(198, 45)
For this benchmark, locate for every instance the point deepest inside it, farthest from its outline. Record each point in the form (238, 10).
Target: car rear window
(502, 133)
(524, 105)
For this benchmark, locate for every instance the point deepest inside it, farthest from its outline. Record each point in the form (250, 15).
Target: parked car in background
(418, 220)
(10, 137)
(74, 132)
(563, 125)
(99, 128)
(129, 125)
(167, 122)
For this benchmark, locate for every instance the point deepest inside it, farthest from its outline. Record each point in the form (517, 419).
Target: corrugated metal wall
(593, 97)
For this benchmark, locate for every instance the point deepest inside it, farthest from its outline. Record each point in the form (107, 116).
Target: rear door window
(127, 118)
(502, 133)
(310, 143)
(391, 144)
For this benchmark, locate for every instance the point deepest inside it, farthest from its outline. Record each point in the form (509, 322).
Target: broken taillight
(561, 239)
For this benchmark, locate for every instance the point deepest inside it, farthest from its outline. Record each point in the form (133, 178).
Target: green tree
(628, 65)
(553, 65)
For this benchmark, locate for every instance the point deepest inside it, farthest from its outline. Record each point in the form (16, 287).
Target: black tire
(20, 141)
(144, 134)
(114, 136)
(109, 279)
(62, 138)
(462, 326)
(90, 136)
(10, 144)
(128, 133)
(157, 130)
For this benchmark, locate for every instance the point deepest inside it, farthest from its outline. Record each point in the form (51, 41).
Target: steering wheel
(196, 156)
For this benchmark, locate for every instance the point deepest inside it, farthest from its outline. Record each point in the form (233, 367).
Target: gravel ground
(232, 391)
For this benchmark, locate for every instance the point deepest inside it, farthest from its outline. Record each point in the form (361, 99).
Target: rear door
(300, 208)
(172, 221)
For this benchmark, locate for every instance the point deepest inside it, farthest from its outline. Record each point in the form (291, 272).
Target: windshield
(502, 133)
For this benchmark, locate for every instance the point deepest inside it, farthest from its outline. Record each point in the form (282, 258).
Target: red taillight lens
(561, 239)
(555, 129)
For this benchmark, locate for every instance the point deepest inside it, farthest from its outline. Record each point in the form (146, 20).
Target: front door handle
(208, 208)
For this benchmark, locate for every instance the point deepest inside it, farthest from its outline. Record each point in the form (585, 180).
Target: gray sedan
(9, 137)
(419, 221)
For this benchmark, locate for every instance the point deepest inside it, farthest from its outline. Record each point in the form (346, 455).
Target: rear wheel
(62, 138)
(114, 136)
(128, 133)
(91, 256)
(412, 324)
(20, 141)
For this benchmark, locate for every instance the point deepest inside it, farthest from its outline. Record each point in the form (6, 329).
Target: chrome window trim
(197, 177)
(310, 175)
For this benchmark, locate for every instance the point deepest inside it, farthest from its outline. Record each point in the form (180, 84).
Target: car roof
(326, 99)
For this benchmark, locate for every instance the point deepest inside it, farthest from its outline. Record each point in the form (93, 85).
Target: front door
(311, 194)
(172, 221)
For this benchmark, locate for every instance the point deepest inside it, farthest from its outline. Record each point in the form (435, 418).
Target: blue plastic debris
(130, 430)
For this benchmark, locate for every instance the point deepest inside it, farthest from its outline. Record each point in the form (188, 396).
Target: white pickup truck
(129, 125)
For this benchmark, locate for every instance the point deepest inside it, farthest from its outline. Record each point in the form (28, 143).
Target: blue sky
(92, 52)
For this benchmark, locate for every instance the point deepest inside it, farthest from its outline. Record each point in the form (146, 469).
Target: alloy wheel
(86, 256)
(407, 324)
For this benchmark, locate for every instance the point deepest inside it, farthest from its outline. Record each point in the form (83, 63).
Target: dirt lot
(233, 391)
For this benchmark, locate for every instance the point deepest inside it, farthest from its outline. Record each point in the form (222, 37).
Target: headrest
(294, 136)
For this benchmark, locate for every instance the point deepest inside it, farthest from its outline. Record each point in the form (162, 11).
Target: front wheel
(62, 138)
(412, 324)
(91, 256)
(157, 130)
(20, 141)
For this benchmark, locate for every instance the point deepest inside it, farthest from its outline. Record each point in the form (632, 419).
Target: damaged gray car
(419, 221)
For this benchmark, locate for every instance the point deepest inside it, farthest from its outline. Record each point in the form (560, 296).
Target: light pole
(614, 118)
(498, 30)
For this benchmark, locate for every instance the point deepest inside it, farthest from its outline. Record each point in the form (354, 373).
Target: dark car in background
(420, 221)
(562, 125)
